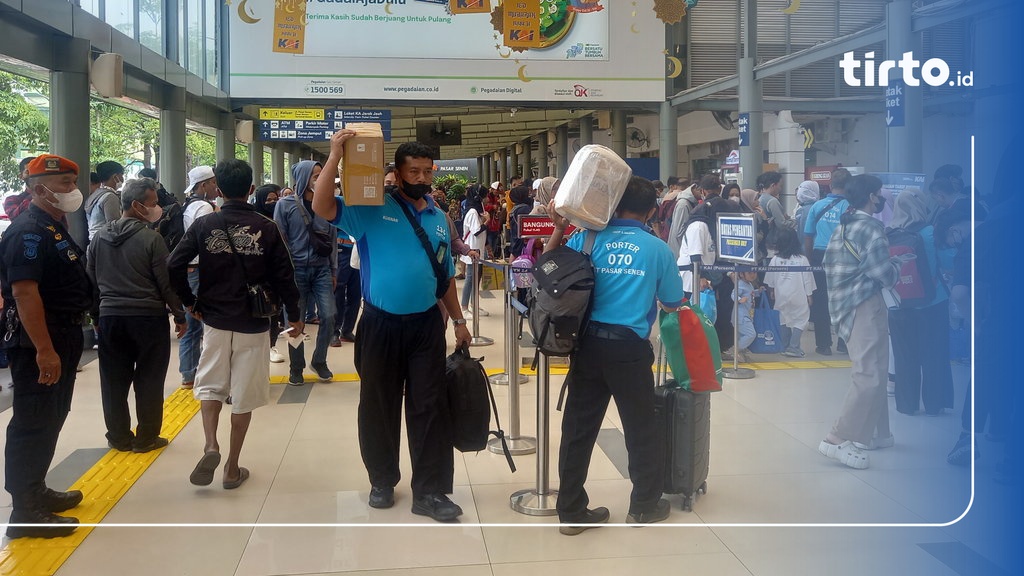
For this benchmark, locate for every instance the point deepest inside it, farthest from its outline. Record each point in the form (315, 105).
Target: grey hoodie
(685, 202)
(127, 262)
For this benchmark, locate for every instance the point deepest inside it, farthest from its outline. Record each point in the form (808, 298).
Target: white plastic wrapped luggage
(592, 187)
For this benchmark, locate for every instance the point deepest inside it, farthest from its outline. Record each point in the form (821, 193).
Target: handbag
(692, 349)
(320, 241)
(261, 301)
(767, 329)
(708, 304)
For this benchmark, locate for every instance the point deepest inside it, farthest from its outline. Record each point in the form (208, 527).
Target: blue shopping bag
(767, 328)
(708, 304)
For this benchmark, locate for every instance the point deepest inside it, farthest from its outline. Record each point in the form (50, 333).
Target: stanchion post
(736, 373)
(517, 445)
(477, 340)
(541, 500)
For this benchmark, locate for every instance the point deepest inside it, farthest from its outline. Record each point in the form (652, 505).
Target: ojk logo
(934, 71)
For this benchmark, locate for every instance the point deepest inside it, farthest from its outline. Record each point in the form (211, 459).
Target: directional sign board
(743, 125)
(539, 227)
(315, 124)
(895, 104)
(737, 238)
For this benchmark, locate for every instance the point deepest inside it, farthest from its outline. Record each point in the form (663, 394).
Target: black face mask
(880, 205)
(415, 191)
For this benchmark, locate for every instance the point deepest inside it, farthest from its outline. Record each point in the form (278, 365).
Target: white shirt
(696, 242)
(471, 224)
(194, 211)
(791, 291)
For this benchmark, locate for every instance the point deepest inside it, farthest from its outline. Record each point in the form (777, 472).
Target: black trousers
(38, 412)
(348, 294)
(396, 355)
(920, 348)
(819, 305)
(600, 370)
(723, 324)
(134, 352)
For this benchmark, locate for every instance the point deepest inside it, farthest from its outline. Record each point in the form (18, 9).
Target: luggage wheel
(703, 488)
(687, 505)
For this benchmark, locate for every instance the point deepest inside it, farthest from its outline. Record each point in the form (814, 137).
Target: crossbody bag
(435, 259)
(261, 301)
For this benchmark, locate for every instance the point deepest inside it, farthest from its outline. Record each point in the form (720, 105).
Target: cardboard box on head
(362, 172)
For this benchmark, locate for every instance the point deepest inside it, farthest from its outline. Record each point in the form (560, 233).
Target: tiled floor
(764, 469)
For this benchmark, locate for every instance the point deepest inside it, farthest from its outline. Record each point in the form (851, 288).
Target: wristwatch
(459, 322)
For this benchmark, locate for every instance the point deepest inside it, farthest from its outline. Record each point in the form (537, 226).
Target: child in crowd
(743, 295)
(792, 291)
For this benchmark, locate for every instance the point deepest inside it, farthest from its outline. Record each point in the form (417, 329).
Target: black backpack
(171, 225)
(561, 296)
(468, 391)
(916, 285)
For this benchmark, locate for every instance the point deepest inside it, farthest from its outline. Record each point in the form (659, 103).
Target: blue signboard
(737, 238)
(895, 104)
(321, 130)
(743, 125)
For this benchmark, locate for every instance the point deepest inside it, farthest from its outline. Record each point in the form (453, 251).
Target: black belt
(367, 307)
(609, 332)
(65, 319)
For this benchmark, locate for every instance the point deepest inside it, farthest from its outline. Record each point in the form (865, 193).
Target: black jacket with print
(222, 280)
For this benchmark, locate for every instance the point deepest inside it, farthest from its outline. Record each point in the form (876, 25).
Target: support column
(751, 100)
(495, 170)
(586, 130)
(904, 143)
(619, 132)
(480, 176)
(528, 158)
(669, 141)
(513, 160)
(173, 170)
(256, 161)
(543, 165)
(225, 137)
(277, 166)
(69, 104)
(291, 159)
(562, 150)
(503, 166)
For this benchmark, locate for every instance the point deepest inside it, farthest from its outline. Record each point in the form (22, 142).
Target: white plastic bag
(592, 187)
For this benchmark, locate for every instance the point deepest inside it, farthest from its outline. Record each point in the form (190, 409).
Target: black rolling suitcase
(684, 423)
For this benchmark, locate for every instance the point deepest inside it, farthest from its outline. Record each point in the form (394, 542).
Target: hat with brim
(51, 165)
(197, 175)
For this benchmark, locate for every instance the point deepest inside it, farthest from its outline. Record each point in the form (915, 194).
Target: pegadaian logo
(934, 71)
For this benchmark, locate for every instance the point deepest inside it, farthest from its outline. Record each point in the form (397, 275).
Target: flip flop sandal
(243, 475)
(846, 453)
(203, 473)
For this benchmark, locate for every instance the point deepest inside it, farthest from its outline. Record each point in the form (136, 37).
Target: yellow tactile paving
(103, 485)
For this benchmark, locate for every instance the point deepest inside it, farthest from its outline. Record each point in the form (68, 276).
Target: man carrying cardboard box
(401, 345)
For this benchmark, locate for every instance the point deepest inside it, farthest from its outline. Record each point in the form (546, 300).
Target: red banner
(539, 227)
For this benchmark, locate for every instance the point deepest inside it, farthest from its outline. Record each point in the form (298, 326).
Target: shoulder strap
(439, 274)
(831, 205)
(588, 242)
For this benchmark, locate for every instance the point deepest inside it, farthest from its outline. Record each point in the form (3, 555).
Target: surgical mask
(415, 191)
(153, 213)
(66, 203)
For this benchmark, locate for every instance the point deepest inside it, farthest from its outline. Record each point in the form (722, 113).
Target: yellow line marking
(103, 486)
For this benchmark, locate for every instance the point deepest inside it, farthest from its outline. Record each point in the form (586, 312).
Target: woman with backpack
(919, 327)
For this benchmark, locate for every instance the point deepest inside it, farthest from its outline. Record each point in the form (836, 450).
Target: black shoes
(841, 347)
(50, 500)
(659, 513)
(824, 351)
(382, 497)
(323, 372)
(154, 444)
(585, 521)
(295, 378)
(120, 446)
(49, 525)
(348, 337)
(437, 506)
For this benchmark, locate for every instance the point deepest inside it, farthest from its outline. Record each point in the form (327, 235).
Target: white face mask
(153, 213)
(66, 203)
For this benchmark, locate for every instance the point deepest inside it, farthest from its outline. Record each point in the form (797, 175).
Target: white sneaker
(467, 314)
(483, 312)
(276, 356)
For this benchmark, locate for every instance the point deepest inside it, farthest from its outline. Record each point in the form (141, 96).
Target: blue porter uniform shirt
(396, 275)
(633, 268)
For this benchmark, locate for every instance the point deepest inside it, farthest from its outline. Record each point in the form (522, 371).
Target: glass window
(212, 53)
(151, 19)
(120, 14)
(91, 6)
(194, 35)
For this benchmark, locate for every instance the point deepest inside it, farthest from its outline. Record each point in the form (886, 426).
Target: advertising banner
(451, 50)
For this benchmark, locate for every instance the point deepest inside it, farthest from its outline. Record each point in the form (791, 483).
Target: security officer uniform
(39, 248)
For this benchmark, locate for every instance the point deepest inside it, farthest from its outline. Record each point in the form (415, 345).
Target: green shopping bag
(692, 350)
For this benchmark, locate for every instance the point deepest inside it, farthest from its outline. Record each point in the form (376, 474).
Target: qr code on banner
(369, 191)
